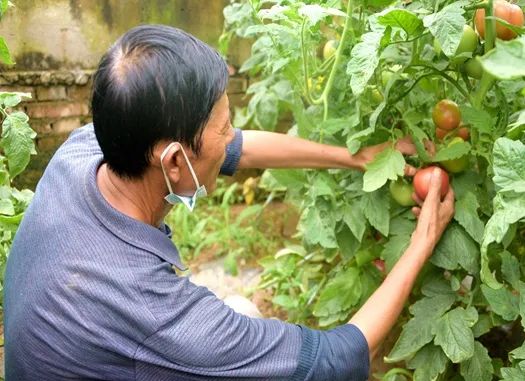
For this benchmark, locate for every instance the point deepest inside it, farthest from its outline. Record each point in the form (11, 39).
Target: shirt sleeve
(199, 337)
(233, 155)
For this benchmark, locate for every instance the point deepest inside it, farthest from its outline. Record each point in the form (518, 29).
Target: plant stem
(490, 37)
(347, 32)
(448, 78)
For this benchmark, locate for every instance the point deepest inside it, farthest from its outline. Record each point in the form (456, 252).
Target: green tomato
(468, 42)
(330, 48)
(457, 165)
(386, 75)
(375, 95)
(402, 192)
(473, 68)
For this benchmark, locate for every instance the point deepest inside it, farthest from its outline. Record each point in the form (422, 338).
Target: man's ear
(172, 160)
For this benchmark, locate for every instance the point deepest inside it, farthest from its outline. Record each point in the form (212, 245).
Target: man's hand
(404, 145)
(433, 214)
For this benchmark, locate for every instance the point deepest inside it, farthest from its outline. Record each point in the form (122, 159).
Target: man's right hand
(433, 214)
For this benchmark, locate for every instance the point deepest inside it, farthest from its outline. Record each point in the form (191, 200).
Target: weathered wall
(57, 44)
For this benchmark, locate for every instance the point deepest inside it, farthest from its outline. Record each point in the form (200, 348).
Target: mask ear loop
(189, 166)
(163, 155)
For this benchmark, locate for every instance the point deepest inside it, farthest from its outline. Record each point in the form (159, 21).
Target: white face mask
(173, 198)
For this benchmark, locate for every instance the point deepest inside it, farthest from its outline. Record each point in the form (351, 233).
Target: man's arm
(377, 316)
(262, 149)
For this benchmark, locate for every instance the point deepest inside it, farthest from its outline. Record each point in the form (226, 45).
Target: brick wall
(60, 103)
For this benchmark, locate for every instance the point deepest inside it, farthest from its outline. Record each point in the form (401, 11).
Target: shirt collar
(131, 231)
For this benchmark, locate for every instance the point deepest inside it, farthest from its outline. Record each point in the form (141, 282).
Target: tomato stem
(448, 78)
(347, 32)
(487, 80)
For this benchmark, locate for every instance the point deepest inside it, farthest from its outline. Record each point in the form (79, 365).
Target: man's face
(217, 134)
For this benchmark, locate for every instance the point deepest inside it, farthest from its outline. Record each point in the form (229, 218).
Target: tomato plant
(508, 12)
(473, 287)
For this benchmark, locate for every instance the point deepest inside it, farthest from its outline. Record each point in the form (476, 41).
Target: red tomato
(463, 133)
(422, 181)
(380, 265)
(504, 10)
(440, 134)
(446, 115)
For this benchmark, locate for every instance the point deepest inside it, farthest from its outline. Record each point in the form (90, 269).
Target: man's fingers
(406, 146)
(430, 147)
(448, 202)
(434, 192)
(417, 199)
(416, 211)
(409, 170)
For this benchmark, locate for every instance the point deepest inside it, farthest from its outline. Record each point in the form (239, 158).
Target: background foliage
(394, 61)
(16, 147)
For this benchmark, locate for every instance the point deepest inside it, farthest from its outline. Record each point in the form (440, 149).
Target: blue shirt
(91, 293)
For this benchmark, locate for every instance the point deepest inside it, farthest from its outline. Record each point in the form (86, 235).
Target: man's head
(155, 84)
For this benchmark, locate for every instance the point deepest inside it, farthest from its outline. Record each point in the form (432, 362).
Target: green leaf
(12, 99)
(518, 353)
(447, 26)
(277, 12)
(513, 374)
(502, 302)
(454, 335)
(506, 60)
(456, 248)
(479, 366)
(387, 165)
(315, 13)
(417, 332)
(318, 224)
(347, 242)
(266, 112)
(340, 293)
(466, 214)
(509, 165)
(453, 151)
(5, 56)
(290, 178)
(510, 268)
(507, 211)
(376, 207)
(522, 301)
(353, 216)
(432, 307)
(428, 363)
(477, 118)
(17, 142)
(4, 4)
(364, 60)
(6, 207)
(403, 19)
(285, 301)
(393, 249)
(483, 325)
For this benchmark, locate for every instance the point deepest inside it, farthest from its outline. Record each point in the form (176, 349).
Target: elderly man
(90, 291)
